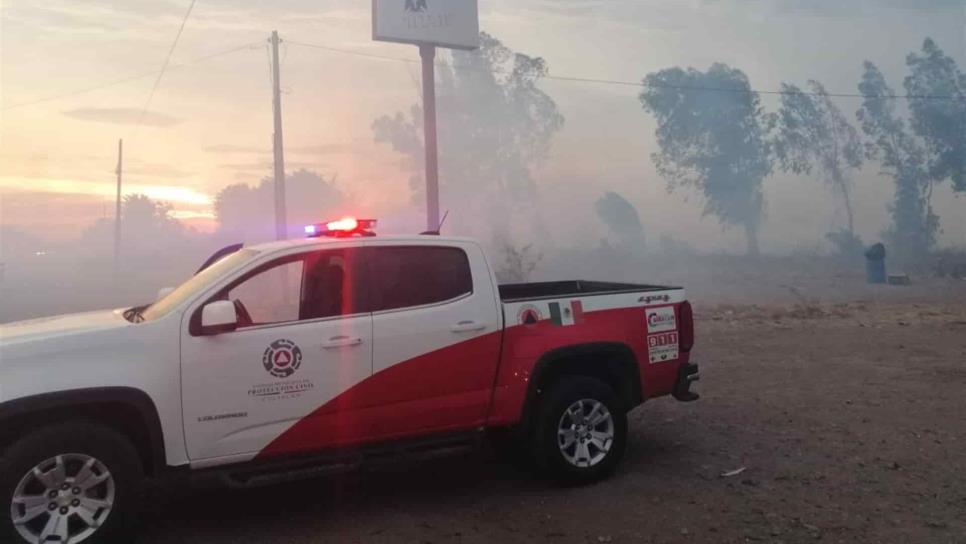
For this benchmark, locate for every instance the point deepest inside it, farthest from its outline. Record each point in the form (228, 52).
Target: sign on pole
(454, 24)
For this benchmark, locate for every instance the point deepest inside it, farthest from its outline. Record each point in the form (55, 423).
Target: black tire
(111, 449)
(553, 404)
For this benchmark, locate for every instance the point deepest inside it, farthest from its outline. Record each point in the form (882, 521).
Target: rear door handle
(342, 342)
(467, 326)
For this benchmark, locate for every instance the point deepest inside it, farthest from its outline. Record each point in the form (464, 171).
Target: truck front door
(304, 338)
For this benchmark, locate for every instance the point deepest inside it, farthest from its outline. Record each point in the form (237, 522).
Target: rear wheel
(70, 483)
(581, 430)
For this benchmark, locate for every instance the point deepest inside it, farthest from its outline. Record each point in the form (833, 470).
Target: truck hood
(47, 328)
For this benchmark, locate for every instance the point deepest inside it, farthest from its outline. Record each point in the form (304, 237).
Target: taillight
(686, 328)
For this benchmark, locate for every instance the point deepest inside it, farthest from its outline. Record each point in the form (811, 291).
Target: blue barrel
(875, 269)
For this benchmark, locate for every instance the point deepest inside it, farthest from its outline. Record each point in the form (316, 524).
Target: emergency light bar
(343, 228)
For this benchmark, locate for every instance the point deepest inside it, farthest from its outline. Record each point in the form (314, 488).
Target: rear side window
(403, 277)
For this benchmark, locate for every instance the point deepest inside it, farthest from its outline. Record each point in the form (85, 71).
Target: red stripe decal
(453, 387)
(445, 389)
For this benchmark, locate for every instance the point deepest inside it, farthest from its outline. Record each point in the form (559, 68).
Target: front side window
(403, 277)
(271, 296)
(298, 288)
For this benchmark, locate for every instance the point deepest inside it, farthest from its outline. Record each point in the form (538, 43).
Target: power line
(130, 78)
(754, 91)
(79, 91)
(258, 44)
(352, 52)
(268, 53)
(164, 66)
(641, 84)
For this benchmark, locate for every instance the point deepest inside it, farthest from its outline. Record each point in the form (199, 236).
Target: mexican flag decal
(564, 314)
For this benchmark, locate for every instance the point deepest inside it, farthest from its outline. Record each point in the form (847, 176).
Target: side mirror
(163, 292)
(218, 317)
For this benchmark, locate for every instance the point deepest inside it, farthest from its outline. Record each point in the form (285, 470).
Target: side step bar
(342, 461)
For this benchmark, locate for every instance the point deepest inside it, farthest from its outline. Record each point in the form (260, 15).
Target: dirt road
(848, 421)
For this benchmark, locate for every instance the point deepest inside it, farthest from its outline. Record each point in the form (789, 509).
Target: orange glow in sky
(68, 96)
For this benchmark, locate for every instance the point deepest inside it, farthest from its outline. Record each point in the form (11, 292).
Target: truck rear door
(437, 332)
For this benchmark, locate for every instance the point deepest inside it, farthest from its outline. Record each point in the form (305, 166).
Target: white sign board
(444, 23)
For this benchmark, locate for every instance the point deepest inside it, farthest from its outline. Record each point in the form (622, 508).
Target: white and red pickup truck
(279, 360)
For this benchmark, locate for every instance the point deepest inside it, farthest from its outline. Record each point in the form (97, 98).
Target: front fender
(126, 409)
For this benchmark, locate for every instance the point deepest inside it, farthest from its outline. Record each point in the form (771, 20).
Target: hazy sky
(209, 124)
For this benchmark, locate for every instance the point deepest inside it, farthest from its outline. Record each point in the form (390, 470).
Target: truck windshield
(198, 283)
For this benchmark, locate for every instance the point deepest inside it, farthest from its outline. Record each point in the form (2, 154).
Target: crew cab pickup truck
(289, 357)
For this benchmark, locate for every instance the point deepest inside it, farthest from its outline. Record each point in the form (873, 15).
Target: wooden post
(428, 54)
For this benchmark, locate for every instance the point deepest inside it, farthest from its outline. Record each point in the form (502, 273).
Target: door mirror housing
(218, 317)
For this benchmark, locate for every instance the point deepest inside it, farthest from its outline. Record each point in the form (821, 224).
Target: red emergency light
(343, 228)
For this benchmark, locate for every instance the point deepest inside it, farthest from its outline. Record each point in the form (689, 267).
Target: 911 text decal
(662, 347)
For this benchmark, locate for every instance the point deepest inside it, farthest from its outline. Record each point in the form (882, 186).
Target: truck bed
(516, 292)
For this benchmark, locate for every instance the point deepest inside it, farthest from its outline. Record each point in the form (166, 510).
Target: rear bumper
(687, 374)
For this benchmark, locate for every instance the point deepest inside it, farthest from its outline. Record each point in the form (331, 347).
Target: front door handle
(342, 342)
(467, 326)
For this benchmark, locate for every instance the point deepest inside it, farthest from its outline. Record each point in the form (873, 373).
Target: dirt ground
(846, 421)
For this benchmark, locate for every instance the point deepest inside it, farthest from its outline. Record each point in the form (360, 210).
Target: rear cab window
(410, 276)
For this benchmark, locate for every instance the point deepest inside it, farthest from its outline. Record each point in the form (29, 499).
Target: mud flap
(687, 374)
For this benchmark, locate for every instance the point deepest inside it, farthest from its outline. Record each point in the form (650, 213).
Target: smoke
(555, 176)
(39, 277)
(496, 126)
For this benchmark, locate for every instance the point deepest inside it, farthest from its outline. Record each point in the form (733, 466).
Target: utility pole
(117, 207)
(281, 224)
(428, 54)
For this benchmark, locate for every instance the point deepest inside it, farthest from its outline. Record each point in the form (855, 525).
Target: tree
(494, 126)
(144, 223)
(517, 262)
(937, 105)
(248, 213)
(621, 219)
(140, 214)
(147, 230)
(914, 225)
(239, 211)
(814, 134)
(712, 133)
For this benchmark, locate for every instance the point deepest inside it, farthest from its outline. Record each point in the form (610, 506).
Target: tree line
(714, 136)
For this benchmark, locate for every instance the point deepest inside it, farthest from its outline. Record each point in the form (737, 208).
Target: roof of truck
(415, 239)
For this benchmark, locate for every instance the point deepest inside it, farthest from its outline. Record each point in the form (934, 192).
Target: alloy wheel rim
(585, 433)
(64, 499)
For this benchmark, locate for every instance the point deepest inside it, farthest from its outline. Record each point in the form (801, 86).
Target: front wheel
(70, 483)
(581, 430)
